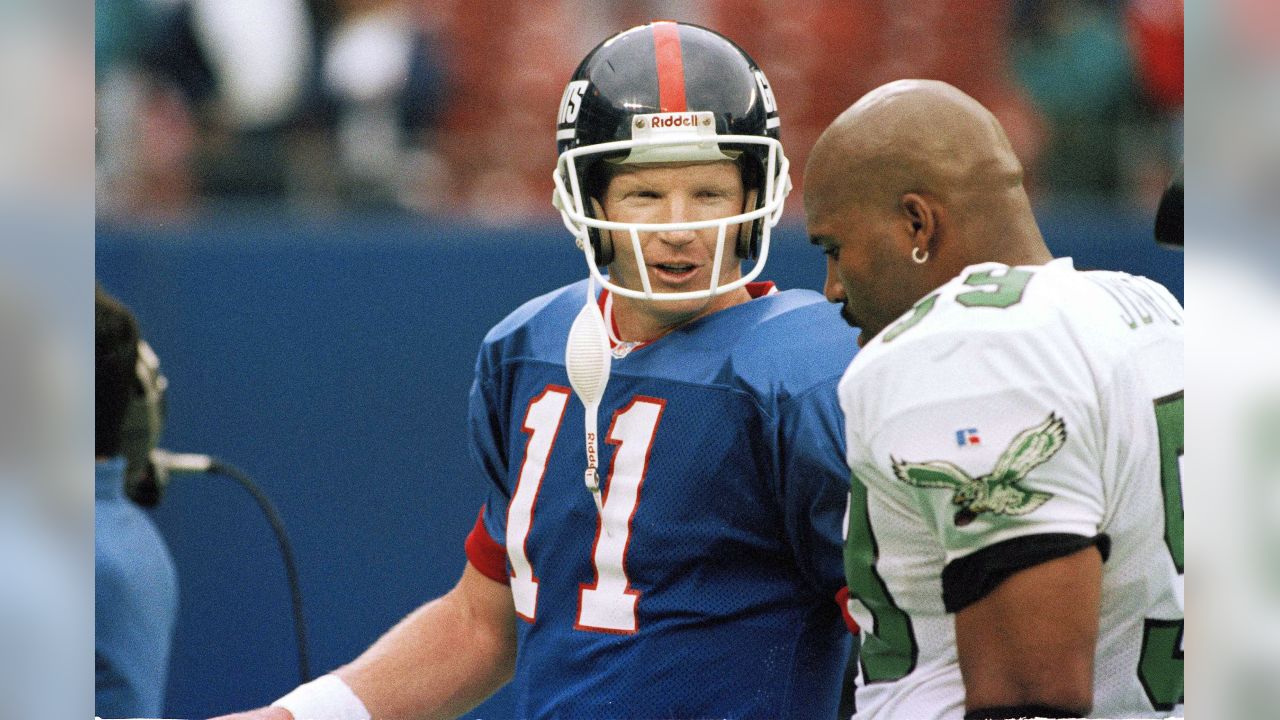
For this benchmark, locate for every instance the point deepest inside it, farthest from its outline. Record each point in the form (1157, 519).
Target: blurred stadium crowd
(445, 107)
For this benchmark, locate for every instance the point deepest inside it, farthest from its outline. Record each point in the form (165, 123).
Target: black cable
(286, 551)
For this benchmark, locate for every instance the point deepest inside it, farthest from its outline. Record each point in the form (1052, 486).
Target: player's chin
(695, 282)
(849, 317)
(686, 309)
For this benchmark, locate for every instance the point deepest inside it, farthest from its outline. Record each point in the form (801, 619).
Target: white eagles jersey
(1014, 402)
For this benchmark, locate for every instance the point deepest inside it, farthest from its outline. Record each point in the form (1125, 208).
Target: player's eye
(639, 195)
(713, 193)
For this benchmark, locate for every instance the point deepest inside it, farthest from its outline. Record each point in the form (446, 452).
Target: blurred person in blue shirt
(136, 585)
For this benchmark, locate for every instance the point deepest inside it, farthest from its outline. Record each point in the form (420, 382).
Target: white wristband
(325, 698)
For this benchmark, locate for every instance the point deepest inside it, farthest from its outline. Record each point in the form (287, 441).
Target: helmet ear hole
(601, 240)
(748, 232)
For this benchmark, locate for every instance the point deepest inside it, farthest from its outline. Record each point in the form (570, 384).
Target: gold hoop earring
(918, 257)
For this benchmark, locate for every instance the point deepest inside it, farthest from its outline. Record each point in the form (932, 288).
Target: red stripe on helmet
(666, 47)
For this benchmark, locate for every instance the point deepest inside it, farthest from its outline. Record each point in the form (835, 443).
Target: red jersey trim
(666, 49)
(485, 554)
(602, 303)
(842, 599)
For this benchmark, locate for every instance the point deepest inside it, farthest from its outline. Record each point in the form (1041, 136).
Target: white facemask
(693, 141)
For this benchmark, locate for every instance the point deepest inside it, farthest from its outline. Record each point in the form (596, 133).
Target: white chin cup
(568, 198)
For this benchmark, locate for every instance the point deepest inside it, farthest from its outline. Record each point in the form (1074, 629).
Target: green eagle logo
(996, 492)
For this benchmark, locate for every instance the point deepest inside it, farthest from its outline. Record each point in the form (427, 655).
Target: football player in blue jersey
(663, 531)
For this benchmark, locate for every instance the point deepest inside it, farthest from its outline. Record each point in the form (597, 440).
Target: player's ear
(921, 216)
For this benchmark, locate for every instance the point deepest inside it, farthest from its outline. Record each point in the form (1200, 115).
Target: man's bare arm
(1030, 642)
(443, 659)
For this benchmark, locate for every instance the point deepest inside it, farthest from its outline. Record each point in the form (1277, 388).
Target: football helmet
(669, 92)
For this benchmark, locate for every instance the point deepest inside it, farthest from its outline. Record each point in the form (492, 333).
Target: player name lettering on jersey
(1141, 301)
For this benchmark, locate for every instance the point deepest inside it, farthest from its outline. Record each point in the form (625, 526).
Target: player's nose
(677, 237)
(832, 287)
(678, 211)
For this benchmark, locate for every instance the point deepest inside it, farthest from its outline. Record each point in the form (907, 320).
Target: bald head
(913, 136)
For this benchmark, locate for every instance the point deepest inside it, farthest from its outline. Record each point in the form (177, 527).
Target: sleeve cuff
(842, 599)
(973, 577)
(485, 554)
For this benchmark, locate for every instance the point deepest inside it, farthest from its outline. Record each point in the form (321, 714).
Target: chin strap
(587, 360)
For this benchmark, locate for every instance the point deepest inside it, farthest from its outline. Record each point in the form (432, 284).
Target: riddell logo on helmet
(672, 121)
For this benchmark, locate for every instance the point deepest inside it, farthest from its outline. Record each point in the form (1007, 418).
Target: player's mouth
(674, 273)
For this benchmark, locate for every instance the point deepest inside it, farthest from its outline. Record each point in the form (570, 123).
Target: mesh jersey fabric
(1037, 391)
(723, 441)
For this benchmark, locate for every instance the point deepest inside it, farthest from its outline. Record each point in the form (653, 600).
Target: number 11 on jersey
(609, 603)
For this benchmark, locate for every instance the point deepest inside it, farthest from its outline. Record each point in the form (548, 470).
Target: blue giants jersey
(707, 586)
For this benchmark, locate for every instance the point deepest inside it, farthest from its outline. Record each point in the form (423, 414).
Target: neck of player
(640, 320)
